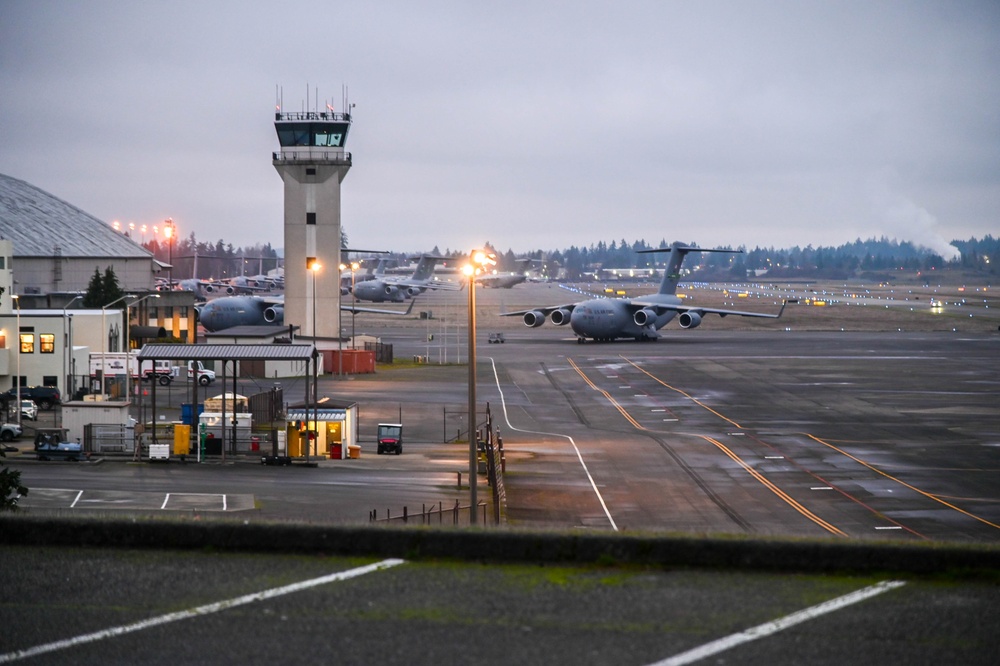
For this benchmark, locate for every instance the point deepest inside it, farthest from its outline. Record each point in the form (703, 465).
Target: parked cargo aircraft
(229, 311)
(396, 290)
(605, 319)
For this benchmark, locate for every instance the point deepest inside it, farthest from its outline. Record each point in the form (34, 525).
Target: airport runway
(816, 434)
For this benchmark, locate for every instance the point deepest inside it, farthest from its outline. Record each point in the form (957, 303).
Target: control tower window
(328, 139)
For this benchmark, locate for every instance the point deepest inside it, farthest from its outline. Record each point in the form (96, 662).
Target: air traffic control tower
(312, 163)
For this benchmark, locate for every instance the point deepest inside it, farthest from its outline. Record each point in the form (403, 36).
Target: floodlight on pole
(169, 230)
(478, 260)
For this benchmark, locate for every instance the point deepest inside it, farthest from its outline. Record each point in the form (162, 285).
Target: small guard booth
(328, 430)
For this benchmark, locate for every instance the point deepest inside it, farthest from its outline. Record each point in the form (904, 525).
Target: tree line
(873, 256)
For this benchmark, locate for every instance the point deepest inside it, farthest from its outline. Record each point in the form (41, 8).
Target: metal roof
(38, 223)
(314, 415)
(175, 352)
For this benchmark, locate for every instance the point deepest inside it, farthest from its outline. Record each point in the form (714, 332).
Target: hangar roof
(38, 222)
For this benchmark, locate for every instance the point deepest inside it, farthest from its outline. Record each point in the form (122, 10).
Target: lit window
(27, 343)
(47, 343)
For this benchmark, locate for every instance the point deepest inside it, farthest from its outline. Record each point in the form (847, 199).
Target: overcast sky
(534, 125)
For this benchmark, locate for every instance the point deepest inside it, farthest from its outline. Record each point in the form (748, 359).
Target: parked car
(29, 410)
(9, 432)
(46, 397)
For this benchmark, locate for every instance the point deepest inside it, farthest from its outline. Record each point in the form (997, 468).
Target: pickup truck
(50, 444)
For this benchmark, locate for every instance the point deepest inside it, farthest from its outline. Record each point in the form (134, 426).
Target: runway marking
(607, 395)
(207, 609)
(775, 489)
(757, 475)
(773, 627)
(901, 482)
(686, 395)
(506, 417)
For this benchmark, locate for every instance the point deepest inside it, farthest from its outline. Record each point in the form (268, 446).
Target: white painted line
(225, 502)
(822, 488)
(506, 417)
(166, 500)
(76, 499)
(665, 420)
(195, 612)
(774, 457)
(658, 410)
(768, 628)
(889, 527)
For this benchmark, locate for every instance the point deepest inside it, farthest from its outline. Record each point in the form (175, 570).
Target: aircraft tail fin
(672, 274)
(425, 267)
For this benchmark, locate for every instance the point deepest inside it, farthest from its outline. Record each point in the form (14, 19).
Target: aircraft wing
(660, 308)
(545, 311)
(429, 284)
(355, 309)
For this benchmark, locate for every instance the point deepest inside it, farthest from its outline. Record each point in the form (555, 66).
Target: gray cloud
(530, 125)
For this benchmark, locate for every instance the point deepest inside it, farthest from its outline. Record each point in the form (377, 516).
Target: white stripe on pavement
(194, 612)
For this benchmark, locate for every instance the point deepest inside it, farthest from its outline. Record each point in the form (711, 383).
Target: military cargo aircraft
(606, 319)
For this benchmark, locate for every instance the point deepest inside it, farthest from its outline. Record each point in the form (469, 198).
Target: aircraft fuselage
(608, 319)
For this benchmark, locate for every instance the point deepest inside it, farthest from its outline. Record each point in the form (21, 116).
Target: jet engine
(644, 317)
(274, 314)
(689, 319)
(414, 291)
(560, 317)
(534, 319)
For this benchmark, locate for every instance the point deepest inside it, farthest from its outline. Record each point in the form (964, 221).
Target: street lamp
(143, 230)
(169, 230)
(478, 260)
(313, 265)
(104, 340)
(354, 302)
(128, 343)
(340, 325)
(18, 382)
(67, 351)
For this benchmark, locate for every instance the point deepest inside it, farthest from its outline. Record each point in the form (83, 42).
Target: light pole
(104, 339)
(169, 230)
(18, 382)
(340, 327)
(354, 302)
(143, 230)
(67, 351)
(477, 260)
(128, 344)
(313, 265)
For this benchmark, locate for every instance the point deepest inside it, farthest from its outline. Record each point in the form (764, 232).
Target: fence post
(404, 514)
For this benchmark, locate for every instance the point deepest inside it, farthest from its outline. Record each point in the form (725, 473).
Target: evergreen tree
(112, 290)
(94, 298)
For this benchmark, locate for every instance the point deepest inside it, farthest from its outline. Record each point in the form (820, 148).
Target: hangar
(57, 246)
